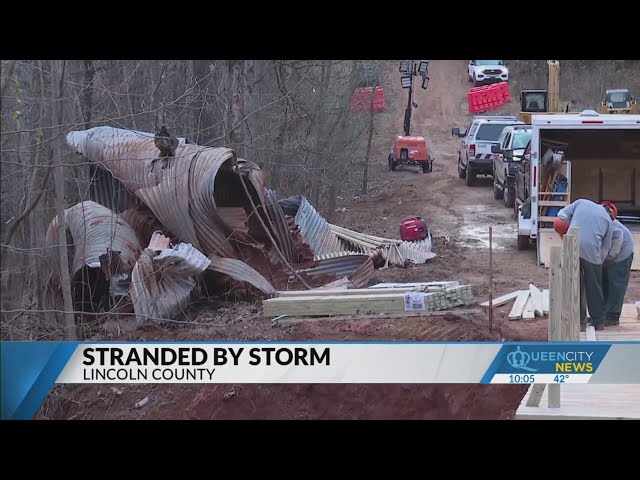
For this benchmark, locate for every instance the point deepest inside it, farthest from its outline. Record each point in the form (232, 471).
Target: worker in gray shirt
(595, 234)
(617, 269)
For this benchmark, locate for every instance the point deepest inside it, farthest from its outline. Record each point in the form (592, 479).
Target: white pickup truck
(585, 155)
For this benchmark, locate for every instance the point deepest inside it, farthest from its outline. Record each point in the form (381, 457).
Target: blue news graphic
(548, 358)
(28, 371)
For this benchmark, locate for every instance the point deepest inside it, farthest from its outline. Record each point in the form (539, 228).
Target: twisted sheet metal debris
(95, 231)
(163, 278)
(143, 222)
(358, 269)
(290, 205)
(316, 231)
(283, 234)
(331, 241)
(394, 252)
(240, 271)
(183, 196)
(199, 201)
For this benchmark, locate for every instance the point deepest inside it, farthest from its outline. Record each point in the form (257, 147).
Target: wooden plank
(613, 336)
(528, 313)
(555, 314)
(546, 218)
(445, 284)
(626, 327)
(545, 301)
(591, 334)
(535, 395)
(365, 304)
(547, 238)
(553, 203)
(498, 302)
(518, 306)
(587, 401)
(570, 286)
(536, 299)
(555, 295)
(629, 310)
(553, 194)
(454, 311)
(349, 291)
(553, 399)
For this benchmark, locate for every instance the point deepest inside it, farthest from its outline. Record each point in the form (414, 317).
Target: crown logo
(520, 360)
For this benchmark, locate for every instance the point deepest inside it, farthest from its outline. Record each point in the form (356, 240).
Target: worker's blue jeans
(591, 294)
(615, 280)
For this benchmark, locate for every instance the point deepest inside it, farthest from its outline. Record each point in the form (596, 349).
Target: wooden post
(491, 279)
(554, 325)
(571, 287)
(555, 313)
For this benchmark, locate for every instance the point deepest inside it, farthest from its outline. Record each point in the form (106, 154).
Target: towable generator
(409, 150)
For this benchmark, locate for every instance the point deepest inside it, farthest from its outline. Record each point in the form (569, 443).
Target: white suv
(475, 156)
(484, 72)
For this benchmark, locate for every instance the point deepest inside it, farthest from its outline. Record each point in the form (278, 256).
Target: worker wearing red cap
(617, 267)
(595, 232)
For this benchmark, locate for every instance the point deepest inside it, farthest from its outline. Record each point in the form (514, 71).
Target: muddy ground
(458, 216)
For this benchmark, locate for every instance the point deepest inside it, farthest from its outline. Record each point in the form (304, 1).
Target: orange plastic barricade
(489, 97)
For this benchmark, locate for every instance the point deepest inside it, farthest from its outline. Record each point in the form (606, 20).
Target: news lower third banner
(30, 369)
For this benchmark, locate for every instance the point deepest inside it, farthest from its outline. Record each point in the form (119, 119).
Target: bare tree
(65, 282)
(291, 117)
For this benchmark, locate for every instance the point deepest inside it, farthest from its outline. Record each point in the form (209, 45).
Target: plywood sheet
(585, 179)
(637, 199)
(617, 184)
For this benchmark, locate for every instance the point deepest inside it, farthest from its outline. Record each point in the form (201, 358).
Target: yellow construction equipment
(619, 100)
(543, 101)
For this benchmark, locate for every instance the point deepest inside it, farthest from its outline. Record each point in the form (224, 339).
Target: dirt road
(458, 215)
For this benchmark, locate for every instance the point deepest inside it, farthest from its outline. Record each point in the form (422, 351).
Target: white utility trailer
(585, 155)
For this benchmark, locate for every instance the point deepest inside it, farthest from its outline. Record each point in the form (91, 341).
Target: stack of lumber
(382, 299)
(527, 304)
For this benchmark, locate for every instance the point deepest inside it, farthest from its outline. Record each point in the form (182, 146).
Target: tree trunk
(131, 73)
(320, 141)
(87, 93)
(7, 69)
(249, 119)
(65, 280)
(235, 70)
(365, 173)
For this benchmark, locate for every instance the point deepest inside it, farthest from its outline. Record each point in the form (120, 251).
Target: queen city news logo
(545, 360)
